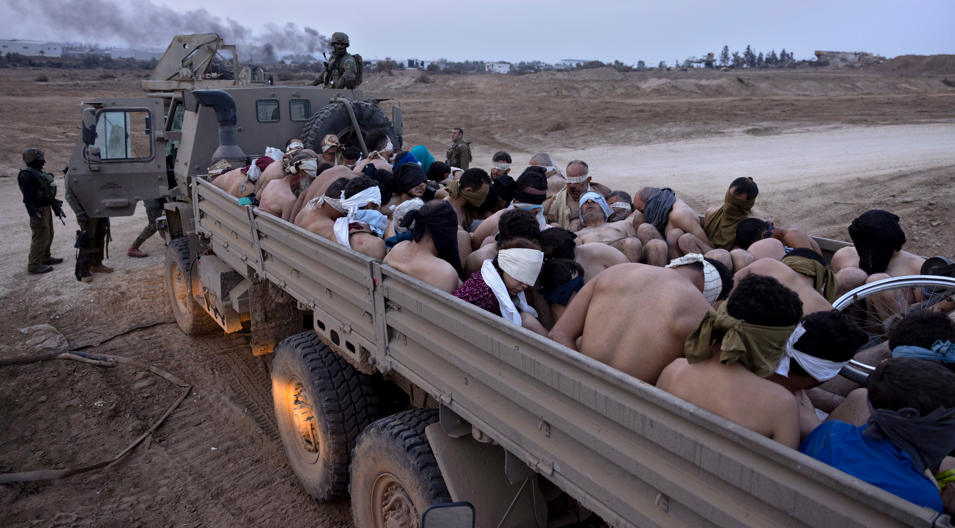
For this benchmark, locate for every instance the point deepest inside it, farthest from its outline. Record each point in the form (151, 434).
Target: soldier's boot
(52, 261)
(42, 269)
(135, 252)
(99, 267)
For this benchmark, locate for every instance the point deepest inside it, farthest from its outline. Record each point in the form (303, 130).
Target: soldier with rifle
(343, 70)
(91, 240)
(39, 197)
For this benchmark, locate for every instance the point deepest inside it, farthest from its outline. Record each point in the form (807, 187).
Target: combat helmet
(32, 154)
(339, 38)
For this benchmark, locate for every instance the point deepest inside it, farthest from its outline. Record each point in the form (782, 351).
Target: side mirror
(451, 515)
(93, 155)
(89, 126)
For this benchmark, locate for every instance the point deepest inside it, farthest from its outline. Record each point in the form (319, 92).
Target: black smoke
(141, 23)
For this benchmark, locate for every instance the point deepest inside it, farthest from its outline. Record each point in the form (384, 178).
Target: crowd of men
(725, 310)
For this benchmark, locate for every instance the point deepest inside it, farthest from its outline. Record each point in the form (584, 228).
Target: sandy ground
(823, 146)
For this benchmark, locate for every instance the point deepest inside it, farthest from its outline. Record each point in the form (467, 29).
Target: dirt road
(862, 141)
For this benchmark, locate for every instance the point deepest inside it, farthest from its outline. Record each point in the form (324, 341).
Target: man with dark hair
(733, 351)
(621, 204)
(279, 196)
(555, 177)
(622, 236)
(467, 194)
(924, 334)
(909, 433)
(502, 185)
(557, 242)
(564, 208)
(351, 156)
(669, 218)
(528, 192)
(764, 240)
(409, 181)
(324, 177)
(439, 172)
(459, 155)
(636, 318)
(560, 280)
(877, 252)
(432, 255)
(804, 286)
(320, 213)
(380, 150)
(363, 226)
(513, 224)
(720, 223)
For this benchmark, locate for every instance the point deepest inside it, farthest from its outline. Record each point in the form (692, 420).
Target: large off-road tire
(190, 317)
(333, 119)
(322, 404)
(394, 475)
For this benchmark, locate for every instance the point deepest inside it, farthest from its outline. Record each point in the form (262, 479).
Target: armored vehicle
(399, 394)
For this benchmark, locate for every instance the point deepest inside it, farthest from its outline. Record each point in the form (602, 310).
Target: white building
(419, 64)
(497, 67)
(31, 48)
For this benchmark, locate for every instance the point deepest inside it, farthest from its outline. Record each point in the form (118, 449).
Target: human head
(557, 242)
(763, 300)
(378, 140)
(900, 383)
(439, 171)
(293, 144)
(557, 272)
(403, 209)
(578, 178)
(33, 157)
(409, 178)
(621, 203)
(457, 134)
(531, 186)
(423, 156)
(359, 184)
(541, 159)
(475, 179)
(339, 41)
(643, 195)
(594, 210)
(350, 156)
(513, 284)
(518, 223)
(830, 335)
(922, 328)
(877, 236)
(725, 274)
(438, 222)
(501, 164)
(330, 146)
(751, 230)
(744, 188)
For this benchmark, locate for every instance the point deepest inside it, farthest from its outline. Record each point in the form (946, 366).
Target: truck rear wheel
(394, 475)
(333, 119)
(190, 317)
(322, 404)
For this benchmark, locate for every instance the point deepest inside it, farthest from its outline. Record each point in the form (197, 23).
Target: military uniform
(341, 71)
(154, 209)
(94, 247)
(459, 155)
(39, 197)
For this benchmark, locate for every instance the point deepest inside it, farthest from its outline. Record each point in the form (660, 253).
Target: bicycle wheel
(877, 306)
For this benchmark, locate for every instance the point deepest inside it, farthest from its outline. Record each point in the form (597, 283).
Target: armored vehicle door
(120, 157)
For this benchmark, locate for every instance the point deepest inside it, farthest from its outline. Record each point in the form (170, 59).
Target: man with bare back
(555, 177)
(318, 187)
(877, 252)
(669, 218)
(636, 318)
(279, 196)
(381, 149)
(529, 193)
(248, 180)
(721, 222)
(432, 254)
(320, 213)
(557, 242)
(621, 235)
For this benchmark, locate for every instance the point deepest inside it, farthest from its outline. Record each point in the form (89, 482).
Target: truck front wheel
(190, 317)
(322, 404)
(394, 475)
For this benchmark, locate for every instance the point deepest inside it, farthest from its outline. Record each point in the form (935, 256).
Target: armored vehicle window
(267, 110)
(300, 109)
(124, 135)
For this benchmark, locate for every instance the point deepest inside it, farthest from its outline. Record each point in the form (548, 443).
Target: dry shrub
(107, 75)
(41, 78)
(424, 78)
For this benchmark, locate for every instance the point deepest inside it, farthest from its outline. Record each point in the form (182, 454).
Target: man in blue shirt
(910, 431)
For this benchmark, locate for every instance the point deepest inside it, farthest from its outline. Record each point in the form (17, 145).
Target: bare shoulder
(671, 374)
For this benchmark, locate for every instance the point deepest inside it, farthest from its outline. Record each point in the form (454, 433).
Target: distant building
(136, 55)
(497, 67)
(418, 64)
(31, 48)
(572, 63)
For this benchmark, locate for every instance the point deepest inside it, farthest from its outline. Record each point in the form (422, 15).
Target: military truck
(398, 394)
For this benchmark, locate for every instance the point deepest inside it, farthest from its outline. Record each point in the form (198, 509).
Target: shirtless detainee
(320, 213)
(720, 222)
(557, 242)
(622, 236)
(564, 208)
(248, 180)
(636, 318)
(681, 228)
(530, 192)
(760, 383)
(466, 196)
(555, 177)
(409, 181)
(330, 146)
(764, 240)
(319, 186)
(432, 255)
(804, 286)
(622, 206)
(279, 196)
(381, 149)
(514, 224)
(877, 254)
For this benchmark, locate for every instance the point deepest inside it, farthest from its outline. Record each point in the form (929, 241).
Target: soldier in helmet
(39, 197)
(342, 70)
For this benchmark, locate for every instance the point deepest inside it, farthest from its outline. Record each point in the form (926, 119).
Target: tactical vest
(336, 69)
(46, 177)
(466, 144)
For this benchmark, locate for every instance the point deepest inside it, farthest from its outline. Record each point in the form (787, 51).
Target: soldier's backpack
(361, 69)
(468, 143)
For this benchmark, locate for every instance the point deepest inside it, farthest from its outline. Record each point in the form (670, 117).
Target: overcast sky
(544, 30)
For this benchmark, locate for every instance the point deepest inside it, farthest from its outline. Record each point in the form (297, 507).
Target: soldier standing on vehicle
(342, 70)
(459, 155)
(39, 197)
(90, 239)
(154, 210)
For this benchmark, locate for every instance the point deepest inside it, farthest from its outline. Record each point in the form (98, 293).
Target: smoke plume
(141, 23)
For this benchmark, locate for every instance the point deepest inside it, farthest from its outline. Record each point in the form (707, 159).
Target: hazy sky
(546, 30)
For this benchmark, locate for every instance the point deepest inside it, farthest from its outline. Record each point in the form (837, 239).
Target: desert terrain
(824, 146)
